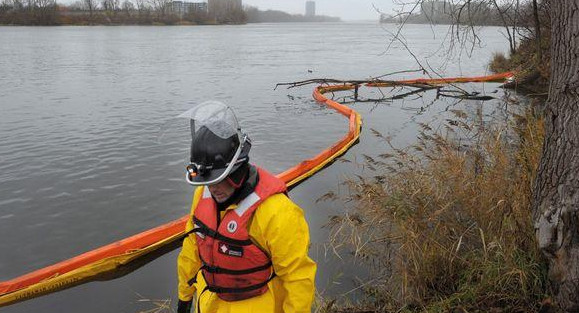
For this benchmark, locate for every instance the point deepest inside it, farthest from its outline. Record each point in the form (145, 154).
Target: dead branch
(327, 81)
(415, 89)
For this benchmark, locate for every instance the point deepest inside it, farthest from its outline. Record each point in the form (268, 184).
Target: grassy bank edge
(447, 228)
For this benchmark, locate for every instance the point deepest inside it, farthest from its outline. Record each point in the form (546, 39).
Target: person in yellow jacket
(246, 248)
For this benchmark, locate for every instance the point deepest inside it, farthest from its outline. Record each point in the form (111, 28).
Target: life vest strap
(218, 289)
(203, 229)
(193, 280)
(221, 270)
(199, 299)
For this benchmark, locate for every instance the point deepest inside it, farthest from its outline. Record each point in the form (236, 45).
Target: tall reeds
(446, 224)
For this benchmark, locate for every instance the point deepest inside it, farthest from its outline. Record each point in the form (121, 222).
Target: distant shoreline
(170, 25)
(254, 15)
(128, 15)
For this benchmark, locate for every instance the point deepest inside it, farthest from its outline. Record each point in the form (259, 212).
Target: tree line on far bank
(465, 12)
(109, 12)
(254, 15)
(518, 18)
(134, 12)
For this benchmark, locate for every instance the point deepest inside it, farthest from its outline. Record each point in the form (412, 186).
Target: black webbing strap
(221, 270)
(199, 299)
(203, 229)
(218, 289)
(194, 279)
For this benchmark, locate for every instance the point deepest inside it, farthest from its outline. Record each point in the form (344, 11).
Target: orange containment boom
(111, 257)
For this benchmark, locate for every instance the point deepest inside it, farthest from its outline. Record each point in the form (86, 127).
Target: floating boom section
(112, 257)
(500, 78)
(309, 167)
(106, 259)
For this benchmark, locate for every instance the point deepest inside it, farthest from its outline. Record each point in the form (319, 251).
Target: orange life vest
(233, 266)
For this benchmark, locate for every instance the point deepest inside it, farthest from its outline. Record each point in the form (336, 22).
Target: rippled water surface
(91, 152)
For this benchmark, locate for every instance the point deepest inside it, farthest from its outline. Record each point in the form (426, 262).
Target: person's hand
(184, 306)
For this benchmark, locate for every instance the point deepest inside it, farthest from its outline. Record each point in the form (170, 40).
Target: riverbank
(531, 61)
(445, 225)
(530, 58)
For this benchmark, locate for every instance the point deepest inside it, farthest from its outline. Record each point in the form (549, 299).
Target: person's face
(221, 191)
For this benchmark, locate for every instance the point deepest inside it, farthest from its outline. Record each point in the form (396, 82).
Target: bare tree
(6, 5)
(91, 6)
(127, 7)
(507, 22)
(111, 8)
(144, 11)
(5, 8)
(77, 5)
(162, 8)
(537, 30)
(556, 193)
(464, 16)
(110, 5)
(45, 12)
(16, 4)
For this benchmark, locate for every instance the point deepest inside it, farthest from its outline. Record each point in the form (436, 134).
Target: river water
(91, 152)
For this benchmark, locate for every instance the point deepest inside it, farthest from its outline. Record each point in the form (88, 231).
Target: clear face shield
(213, 124)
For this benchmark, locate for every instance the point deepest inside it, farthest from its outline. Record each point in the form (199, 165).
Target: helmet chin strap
(232, 183)
(246, 188)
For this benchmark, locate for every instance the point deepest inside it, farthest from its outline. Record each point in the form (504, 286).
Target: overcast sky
(345, 9)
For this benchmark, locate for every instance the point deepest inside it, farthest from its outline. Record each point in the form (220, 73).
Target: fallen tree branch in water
(416, 88)
(396, 97)
(326, 81)
(461, 94)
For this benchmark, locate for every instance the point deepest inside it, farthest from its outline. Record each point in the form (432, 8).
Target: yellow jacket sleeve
(188, 262)
(280, 227)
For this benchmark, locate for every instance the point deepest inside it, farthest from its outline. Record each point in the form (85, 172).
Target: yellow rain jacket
(279, 227)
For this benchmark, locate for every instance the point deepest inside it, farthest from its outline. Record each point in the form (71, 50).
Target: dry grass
(500, 63)
(155, 305)
(532, 69)
(446, 224)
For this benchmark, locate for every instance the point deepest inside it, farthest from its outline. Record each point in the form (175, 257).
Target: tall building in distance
(310, 8)
(183, 7)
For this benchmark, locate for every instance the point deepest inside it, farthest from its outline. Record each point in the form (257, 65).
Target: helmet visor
(216, 116)
(218, 119)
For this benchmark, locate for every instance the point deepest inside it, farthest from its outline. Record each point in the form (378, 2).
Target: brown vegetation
(446, 224)
(108, 12)
(29, 12)
(532, 67)
(530, 57)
